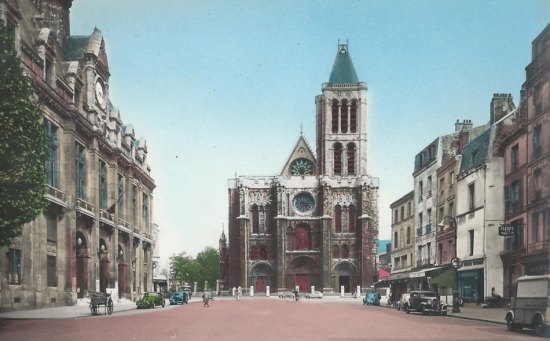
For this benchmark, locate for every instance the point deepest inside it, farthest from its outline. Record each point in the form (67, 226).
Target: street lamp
(456, 263)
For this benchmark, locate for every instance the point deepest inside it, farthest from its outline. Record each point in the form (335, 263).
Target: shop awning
(423, 272)
(399, 275)
(445, 279)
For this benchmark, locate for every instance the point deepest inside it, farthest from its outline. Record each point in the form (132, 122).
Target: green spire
(343, 71)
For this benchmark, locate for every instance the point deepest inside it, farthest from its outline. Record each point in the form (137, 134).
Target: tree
(22, 148)
(205, 268)
(209, 265)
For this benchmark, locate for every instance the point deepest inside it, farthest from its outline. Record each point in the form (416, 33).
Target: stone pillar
(281, 264)
(267, 291)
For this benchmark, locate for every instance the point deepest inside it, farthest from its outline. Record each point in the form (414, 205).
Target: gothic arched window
(255, 219)
(344, 117)
(335, 251)
(345, 251)
(338, 159)
(335, 116)
(351, 158)
(338, 219)
(353, 117)
(263, 253)
(253, 253)
(351, 220)
(302, 237)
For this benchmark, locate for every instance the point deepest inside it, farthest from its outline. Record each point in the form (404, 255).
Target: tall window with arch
(334, 117)
(338, 219)
(255, 215)
(344, 117)
(351, 158)
(345, 251)
(335, 251)
(352, 218)
(353, 117)
(337, 159)
(52, 148)
(253, 253)
(302, 237)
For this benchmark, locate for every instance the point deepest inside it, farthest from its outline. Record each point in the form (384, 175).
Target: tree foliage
(203, 268)
(22, 149)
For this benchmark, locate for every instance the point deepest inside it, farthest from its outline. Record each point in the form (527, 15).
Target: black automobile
(426, 302)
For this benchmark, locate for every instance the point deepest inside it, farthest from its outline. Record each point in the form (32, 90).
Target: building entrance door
(344, 281)
(260, 284)
(302, 281)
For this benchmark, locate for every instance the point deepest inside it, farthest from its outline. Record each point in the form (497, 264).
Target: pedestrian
(239, 292)
(206, 298)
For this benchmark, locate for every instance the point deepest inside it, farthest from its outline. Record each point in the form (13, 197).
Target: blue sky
(220, 88)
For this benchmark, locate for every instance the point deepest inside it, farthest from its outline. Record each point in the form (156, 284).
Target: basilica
(314, 225)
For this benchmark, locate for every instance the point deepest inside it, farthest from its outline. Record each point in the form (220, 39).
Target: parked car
(371, 298)
(150, 300)
(315, 294)
(403, 303)
(179, 297)
(531, 306)
(426, 302)
(384, 295)
(286, 294)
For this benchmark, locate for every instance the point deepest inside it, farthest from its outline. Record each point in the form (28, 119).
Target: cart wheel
(110, 306)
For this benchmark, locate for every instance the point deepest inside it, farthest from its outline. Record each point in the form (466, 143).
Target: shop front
(470, 285)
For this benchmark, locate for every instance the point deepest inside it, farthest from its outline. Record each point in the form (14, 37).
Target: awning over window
(445, 279)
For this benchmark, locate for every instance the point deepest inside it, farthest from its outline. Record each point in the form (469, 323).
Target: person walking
(206, 299)
(239, 292)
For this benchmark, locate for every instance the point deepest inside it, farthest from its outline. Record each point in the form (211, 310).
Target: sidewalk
(472, 311)
(81, 309)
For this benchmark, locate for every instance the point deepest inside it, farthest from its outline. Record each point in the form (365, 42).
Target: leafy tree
(205, 268)
(209, 265)
(22, 148)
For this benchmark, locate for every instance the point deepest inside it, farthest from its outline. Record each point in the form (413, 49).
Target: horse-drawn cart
(98, 299)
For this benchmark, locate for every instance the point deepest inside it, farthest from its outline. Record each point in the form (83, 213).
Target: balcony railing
(56, 194)
(85, 207)
(107, 217)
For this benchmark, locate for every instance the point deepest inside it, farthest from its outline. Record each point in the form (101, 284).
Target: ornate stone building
(96, 231)
(316, 223)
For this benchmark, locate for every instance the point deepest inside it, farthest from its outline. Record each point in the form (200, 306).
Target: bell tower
(342, 121)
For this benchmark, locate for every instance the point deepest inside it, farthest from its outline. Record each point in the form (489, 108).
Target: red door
(260, 284)
(302, 281)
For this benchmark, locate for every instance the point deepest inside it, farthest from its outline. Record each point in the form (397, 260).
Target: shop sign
(506, 230)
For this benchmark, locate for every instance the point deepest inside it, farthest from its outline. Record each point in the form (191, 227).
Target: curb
(475, 319)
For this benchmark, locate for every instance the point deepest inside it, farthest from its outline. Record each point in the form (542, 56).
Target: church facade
(316, 223)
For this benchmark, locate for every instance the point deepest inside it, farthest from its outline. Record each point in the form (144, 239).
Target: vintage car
(179, 297)
(531, 306)
(286, 294)
(371, 298)
(315, 294)
(150, 300)
(426, 302)
(403, 303)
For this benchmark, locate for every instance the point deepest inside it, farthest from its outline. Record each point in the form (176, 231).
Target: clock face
(304, 202)
(301, 167)
(99, 94)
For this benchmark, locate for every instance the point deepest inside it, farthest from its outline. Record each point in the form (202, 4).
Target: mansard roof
(343, 71)
(476, 152)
